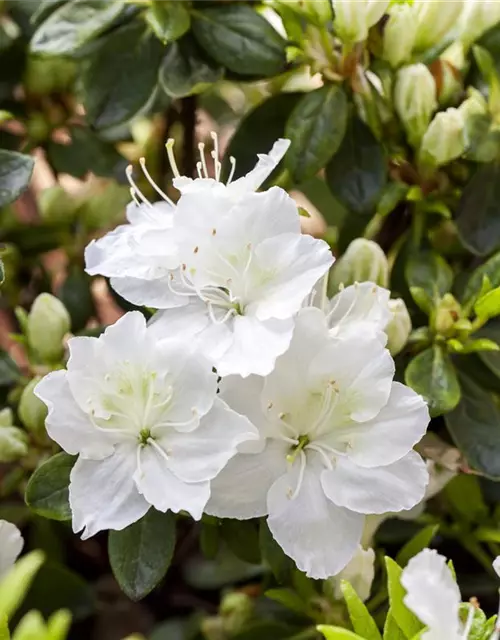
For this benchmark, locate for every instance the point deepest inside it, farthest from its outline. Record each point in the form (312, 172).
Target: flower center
(303, 441)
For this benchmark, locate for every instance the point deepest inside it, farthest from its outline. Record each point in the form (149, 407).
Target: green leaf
(240, 39)
(47, 490)
(361, 620)
(475, 428)
(357, 173)
(242, 537)
(74, 24)
(477, 219)
(186, 70)
(419, 541)
(76, 295)
(432, 374)
(466, 497)
(264, 630)
(141, 554)
(4, 628)
(427, 270)
(491, 270)
(9, 371)
(337, 633)
(488, 306)
(273, 555)
(289, 599)
(15, 584)
(120, 77)
(269, 119)
(169, 19)
(405, 619)
(15, 174)
(391, 629)
(392, 194)
(315, 128)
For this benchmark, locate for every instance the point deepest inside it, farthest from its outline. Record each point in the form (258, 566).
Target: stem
(188, 119)
(418, 227)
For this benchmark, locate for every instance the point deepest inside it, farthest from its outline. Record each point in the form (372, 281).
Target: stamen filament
(215, 155)
(156, 446)
(303, 461)
(142, 162)
(303, 441)
(232, 161)
(171, 158)
(128, 172)
(318, 449)
(198, 170)
(201, 149)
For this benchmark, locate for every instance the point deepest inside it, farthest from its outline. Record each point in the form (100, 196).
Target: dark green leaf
(490, 269)
(315, 128)
(269, 119)
(73, 25)
(77, 297)
(433, 375)
(47, 491)
(280, 564)
(477, 218)
(169, 19)
(120, 77)
(240, 39)
(289, 599)
(9, 371)
(141, 554)
(419, 541)
(427, 270)
(357, 173)
(242, 537)
(15, 174)
(186, 70)
(475, 428)
(2, 272)
(265, 630)
(465, 495)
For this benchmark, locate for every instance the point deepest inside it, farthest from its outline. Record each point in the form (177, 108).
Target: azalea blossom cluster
(249, 393)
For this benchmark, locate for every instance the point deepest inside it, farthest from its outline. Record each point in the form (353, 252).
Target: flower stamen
(171, 158)
(128, 172)
(201, 149)
(215, 155)
(303, 461)
(142, 162)
(232, 161)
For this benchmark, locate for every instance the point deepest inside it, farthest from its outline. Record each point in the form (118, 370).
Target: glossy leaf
(169, 19)
(430, 272)
(240, 39)
(405, 619)
(9, 371)
(357, 173)
(47, 491)
(76, 295)
(337, 633)
(488, 306)
(15, 174)
(316, 128)
(185, 70)
(273, 555)
(120, 77)
(490, 269)
(391, 629)
(432, 374)
(141, 554)
(242, 537)
(361, 620)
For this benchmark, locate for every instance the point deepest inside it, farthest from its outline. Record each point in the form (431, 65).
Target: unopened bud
(13, 444)
(363, 261)
(360, 573)
(32, 410)
(435, 21)
(453, 65)
(399, 328)
(415, 100)
(477, 17)
(48, 323)
(475, 105)
(353, 19)
(6, 417)
(444, 140)
(399, 34)
(446, 315)
(236, 609)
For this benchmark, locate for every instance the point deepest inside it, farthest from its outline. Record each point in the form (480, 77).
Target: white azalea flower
(145, 420)
(336, 444)
(496, 565)
(11, 545)
(434, 597)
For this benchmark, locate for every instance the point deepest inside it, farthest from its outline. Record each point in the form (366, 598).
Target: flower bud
(415, 100)
(6, 417)
(13, 444)
(453, 66)
(236, 609)
(474, 105)
(48, 323)
(360, 573)
(444, 140)
(353, 18)
(399, 34)
(363, 261)
(477, 17)
(434, 21)
(399, 328)
(32, 411)
(445, 315)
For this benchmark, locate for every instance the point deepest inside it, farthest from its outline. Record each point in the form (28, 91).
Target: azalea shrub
(249, 319)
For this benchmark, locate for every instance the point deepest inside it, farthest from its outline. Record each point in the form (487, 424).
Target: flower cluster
(249, 393)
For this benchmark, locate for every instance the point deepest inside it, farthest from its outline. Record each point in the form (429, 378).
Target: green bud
(38, 128)
(6, 417)
(13, 444)
(399, 328)
(474, 105)
(32, 411)
(477, 17)
(396, 47)
(353, 19)
(453, 66)
(363, 261)
(444, 140)
(447, 313)
(415, 100)
(434, 20)
(236, 610)
(48, 323)
(212, 629)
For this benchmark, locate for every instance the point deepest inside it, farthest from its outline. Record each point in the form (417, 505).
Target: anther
(196, 249)
(171, 158)
(214, 232)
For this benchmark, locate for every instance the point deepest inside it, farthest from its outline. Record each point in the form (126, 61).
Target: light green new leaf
(169, 20)
(15, 584)
(405, 619)
(491, 270)
(391, 629)
(488, 306)
(337, 633)
(361, 620)
(4, 628)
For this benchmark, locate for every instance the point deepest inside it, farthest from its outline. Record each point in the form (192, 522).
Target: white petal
(149, 293)
(111, 254)
(159, 213)
(244, 395)
(321, 537)
(264, 167)
(496, 565)
(184, 323)
(364, 303)
(66, 423)
(103, 494)
(11, 545)
(255, 346)
(296, 263)
(201, 454)
(161, 488)
(240, 490)
(397, 486)
(432, 593)
(392, 433)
